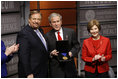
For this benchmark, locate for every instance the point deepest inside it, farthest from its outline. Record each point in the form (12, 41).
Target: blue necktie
(41, 37)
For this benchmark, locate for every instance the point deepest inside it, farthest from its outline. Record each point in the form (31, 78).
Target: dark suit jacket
(66, 69)
(33, 57)
(88, 52)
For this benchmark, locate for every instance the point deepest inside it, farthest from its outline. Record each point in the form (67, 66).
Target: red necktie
(59, 37)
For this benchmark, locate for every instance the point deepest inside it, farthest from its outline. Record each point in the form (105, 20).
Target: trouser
(96, 74)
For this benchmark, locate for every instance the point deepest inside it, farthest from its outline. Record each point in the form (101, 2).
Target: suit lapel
(32, 32)
(53, 35)
(35, 35)
(65, 34)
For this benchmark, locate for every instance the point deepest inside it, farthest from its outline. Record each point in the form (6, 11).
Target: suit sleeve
(24, 52)
(85, 56)
(109, 52)
(75, 44)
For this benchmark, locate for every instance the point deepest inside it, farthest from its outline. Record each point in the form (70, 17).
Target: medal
(64, 56)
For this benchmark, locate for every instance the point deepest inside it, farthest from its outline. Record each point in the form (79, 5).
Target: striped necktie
(41, 37)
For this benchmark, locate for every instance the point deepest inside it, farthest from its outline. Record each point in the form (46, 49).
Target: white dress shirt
(61, 34)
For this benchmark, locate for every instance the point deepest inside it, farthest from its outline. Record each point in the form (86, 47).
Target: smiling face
(35, 21)
(56, 23)
(94, 31)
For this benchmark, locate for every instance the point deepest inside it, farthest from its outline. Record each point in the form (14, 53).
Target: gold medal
(65, 58)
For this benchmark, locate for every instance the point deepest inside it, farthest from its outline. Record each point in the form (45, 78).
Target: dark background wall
(76, 15)
(10, 25)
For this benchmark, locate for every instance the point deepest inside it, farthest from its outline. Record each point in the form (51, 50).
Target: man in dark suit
(33, 55)
(61, 69)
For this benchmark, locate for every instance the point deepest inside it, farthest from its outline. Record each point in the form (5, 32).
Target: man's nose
(36, 20)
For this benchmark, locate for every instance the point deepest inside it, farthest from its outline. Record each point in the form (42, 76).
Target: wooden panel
(46, 29)
(69, 16)
(72, 27)
(57, 4)
(33, 5)
(75, 60)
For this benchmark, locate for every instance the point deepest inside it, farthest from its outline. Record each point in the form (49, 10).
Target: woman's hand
(102, 58)
(12, 49)
(96, 57)
(70, 54)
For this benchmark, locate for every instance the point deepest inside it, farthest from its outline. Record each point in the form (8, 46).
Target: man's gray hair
(53, 15)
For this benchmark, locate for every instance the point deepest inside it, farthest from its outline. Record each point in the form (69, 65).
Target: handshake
(98, 56)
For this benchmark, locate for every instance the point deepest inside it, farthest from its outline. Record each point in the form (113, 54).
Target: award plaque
(63, 48)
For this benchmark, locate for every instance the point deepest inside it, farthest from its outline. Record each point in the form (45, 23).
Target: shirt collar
(60, 30)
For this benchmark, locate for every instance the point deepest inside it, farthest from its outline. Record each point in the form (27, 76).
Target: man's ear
(61, 22)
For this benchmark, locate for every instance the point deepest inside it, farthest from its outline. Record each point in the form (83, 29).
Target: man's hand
(30, 76)
(70, 54)
(54, 52)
